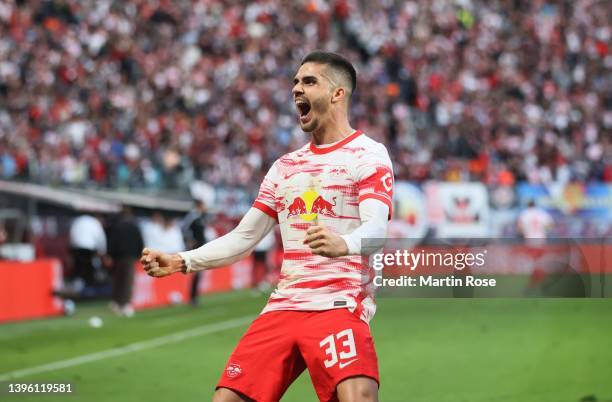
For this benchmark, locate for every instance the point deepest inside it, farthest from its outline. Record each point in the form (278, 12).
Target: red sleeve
(378, 186)
(266, 209)
(374, 175)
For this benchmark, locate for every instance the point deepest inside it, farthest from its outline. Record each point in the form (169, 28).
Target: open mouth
(303, 108)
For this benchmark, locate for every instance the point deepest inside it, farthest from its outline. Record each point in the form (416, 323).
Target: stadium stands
(157, 93)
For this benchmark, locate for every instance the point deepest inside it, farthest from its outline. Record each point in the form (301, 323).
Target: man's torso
(324, 186)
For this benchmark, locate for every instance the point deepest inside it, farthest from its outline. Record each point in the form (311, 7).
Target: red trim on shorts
(379, 197)
(266, 209)
(326, 150)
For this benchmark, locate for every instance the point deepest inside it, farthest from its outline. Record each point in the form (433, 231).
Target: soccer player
(326, 196)
(534, 222)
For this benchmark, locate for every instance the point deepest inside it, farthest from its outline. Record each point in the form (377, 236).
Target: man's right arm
(222, 251)
(235, 245)
(232, 247)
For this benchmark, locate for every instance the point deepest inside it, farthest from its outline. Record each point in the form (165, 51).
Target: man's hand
(323, 242)
(159, 264)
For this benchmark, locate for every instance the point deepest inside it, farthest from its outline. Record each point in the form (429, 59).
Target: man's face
(312, 92)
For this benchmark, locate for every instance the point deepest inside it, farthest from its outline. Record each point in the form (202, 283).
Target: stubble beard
(310, 126)
(318, 111)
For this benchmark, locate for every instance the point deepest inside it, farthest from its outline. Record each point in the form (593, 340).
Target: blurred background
(131, 123)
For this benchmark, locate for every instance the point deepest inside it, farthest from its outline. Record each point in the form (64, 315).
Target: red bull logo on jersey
(323, 207)
(310, 204)
(297, 207)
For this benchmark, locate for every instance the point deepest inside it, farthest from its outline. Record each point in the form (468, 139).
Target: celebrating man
(327, 196)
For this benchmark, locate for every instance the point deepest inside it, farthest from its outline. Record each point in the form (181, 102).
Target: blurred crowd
(156, 93)
(102, 250)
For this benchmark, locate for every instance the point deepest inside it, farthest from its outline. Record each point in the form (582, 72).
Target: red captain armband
(266, 209)
(378, 186)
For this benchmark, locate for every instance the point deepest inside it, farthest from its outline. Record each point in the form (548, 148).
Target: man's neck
(331, 133)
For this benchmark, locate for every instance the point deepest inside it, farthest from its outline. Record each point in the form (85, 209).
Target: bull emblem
(323, 207)
(297, 207)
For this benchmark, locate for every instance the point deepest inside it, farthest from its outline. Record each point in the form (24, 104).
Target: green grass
(430, 350)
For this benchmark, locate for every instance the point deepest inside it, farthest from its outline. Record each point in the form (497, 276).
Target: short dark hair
(335, 61)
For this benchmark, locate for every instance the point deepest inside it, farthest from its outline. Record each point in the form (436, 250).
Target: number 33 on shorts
(339, 349)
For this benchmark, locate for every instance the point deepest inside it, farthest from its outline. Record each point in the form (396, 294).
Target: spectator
(88, 245)
(124, 247)
(163, 233)
(194, 231)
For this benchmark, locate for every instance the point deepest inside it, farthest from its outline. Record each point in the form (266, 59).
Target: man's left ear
(338, 94)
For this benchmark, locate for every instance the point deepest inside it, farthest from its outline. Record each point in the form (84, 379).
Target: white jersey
(534, 223)
(87, 232)
(324, 185)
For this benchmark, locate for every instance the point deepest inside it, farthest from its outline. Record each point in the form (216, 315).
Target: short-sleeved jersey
(324, 185)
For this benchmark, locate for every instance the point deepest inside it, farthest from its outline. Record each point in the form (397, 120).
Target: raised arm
(222, 251)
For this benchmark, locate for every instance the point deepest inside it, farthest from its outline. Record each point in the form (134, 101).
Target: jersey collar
(339, 144)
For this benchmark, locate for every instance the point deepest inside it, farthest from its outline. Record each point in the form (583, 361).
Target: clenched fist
(159, 264)
(323, 242)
